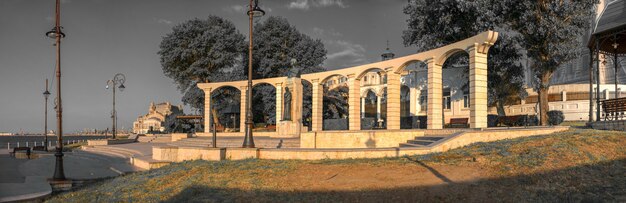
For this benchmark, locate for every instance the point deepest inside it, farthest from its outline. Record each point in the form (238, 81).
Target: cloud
(164, 21)
(344, 54)
(306, 4)
(319, 32)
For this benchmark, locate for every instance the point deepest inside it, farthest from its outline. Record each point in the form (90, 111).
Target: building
(154, 120)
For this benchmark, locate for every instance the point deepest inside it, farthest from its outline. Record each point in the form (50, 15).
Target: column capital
(279, 84)
(351, 76)
(315, 80)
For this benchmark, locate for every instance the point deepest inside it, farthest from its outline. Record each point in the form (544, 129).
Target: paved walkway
(27, 179)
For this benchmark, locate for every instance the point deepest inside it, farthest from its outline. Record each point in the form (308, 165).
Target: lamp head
(122, 87)
(53, 33)
(256, 10)
(46, 94)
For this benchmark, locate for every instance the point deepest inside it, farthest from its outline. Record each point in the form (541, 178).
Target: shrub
(528, 120)
(555, 117)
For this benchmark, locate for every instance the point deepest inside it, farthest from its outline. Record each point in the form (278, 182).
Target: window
(447, 103)
(365, 79)
(466, 101)
(423, 100)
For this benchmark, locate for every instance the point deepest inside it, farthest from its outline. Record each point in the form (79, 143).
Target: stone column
(478, 88)
(362, 107)
(207, 110)
(354, 108)
(242, 107)
(317, 105)
(434, 120)
(413, 101)
(393, 100)
(279, 104)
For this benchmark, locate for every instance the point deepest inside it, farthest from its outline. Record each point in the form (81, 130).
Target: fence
(41, 143)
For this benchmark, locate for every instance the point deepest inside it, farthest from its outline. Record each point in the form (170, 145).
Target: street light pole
(46, 94)
(117, 79)
(56, 33)
(248, 141)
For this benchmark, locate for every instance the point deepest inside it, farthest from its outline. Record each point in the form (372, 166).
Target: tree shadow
(603, 182)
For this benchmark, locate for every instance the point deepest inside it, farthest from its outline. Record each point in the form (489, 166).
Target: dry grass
(577, 165)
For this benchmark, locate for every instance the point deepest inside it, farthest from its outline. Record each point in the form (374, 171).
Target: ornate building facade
(154, 119)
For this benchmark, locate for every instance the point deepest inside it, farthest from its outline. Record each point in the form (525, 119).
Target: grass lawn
(577, 165)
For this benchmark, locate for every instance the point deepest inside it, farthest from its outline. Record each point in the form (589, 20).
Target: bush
(555, 117)
(492, 120)
(528, 120)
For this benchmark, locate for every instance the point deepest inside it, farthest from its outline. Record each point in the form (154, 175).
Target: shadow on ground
(605, 182)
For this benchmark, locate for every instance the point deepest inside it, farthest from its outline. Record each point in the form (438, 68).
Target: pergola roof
(611, 28)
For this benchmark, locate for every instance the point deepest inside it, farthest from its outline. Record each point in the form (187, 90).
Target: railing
(51, 144)
(613, 109)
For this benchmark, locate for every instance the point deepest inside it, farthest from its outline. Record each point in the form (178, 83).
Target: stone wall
(357, 139)
(177, 154)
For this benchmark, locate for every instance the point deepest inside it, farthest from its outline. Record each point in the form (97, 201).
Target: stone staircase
(154, 139)
(260, 142)
(429, 139)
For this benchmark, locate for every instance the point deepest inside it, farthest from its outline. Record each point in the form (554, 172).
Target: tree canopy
(438, 23)
(201, 50)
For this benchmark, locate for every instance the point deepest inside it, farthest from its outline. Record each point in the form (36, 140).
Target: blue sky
(105, 37)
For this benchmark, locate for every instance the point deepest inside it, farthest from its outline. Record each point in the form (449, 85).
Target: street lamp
(46, 94)
(248, 141)
(117, 79)
(56, 34)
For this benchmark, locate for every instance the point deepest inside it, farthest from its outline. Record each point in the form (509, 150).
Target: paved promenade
(26, 179)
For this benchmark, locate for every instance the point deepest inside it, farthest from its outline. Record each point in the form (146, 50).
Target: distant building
(153, 121)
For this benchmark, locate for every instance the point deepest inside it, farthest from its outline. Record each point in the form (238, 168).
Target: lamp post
(248, 141)
(46, 94)
(56, 34)
(117, 79)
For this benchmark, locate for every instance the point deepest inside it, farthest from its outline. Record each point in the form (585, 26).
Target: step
(118, 149)
(412, 145)
(147, 163)
(420, 142)
(429, 138)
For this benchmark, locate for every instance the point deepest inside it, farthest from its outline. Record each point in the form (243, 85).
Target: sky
(105, 37)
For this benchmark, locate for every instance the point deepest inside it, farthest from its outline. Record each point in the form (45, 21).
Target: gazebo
(608, 38)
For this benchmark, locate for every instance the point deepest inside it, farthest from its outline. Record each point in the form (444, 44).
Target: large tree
(201, 50)
(433, 24)
(550, 31)
(276, 42)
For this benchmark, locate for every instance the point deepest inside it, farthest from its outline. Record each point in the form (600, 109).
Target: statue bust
(294, 71)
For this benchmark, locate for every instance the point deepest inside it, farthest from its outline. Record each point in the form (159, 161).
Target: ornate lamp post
(46, 94)
(117, 79)
(56, 34)
(248, 141)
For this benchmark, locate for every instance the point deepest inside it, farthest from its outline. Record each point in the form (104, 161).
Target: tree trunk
(500, 108)
(543, 98)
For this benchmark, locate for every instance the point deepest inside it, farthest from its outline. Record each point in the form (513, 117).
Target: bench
(462, 122)
(39, 148)
(21, 149)
(613, 109)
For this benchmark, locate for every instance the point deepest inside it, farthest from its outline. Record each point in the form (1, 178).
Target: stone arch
(442, 59)
(402, 67)
(226, 106)
(331, 76)
(360, 75)
(219, 86)
(264, 103)
(263, 83)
